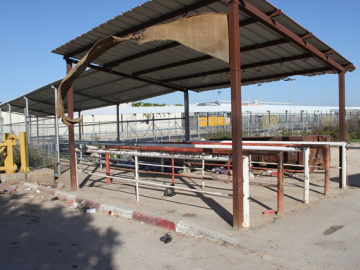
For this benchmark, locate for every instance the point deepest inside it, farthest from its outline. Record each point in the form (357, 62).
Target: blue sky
(31, 29)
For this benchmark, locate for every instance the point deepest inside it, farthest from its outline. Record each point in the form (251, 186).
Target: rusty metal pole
(70, 111)
(327, 170)
(236, 121)
(280, 183)
(342, 116)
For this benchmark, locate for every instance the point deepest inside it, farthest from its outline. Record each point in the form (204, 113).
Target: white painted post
(246, 199)
(306, 174)
(137, 179)
(203, 174)
(343, 167)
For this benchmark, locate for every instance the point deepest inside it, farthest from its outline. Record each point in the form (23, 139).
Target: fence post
(306, 152)
(169, 126)
(246, 198)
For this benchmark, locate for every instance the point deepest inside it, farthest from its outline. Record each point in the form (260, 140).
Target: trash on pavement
(91, 210)
(166, 238)
(55, 199)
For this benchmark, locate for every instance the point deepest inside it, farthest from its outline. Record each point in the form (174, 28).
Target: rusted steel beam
(342, 115)
(327, 171)
(278, 28)
(142, 54)
(235, 83)
(70, 111)
(280, 183)
(107, 163)
(155, 21)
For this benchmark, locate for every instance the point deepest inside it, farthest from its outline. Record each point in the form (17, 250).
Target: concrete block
(41, 175)
(12, 177)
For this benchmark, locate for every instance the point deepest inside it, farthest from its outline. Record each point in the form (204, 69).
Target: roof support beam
(264, 78)
(208, 57)
(254, 65)
(181, 63)
(33, 110)
(266, 20)
(106, 101)
(176, 88)
(160, 19)
(142, 54)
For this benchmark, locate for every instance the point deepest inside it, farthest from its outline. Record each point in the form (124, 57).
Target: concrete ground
(42, 234)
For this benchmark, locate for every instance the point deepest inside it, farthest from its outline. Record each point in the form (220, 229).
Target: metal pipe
(306, 175)
(246, 198)
(162, 185)
(280, 184)
(187, 115)
(57, 130)
(327, 171)
(10, 123)
(137, 179)
(343, 167)
(117, 123)
(79, 128)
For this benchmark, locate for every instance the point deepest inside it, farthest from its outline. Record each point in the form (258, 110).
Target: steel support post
(70, 111)
(236, 121)
(117, 123)
(342, 115)
(10, 123)
(280, 183)
(187, 115)
(79, 114)
(327, 170)
(37, 129)
(57, 132)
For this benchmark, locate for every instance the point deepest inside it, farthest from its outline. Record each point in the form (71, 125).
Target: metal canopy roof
(131, 72)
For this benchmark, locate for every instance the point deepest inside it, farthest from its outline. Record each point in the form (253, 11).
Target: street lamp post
(259, 92)
(289, 80)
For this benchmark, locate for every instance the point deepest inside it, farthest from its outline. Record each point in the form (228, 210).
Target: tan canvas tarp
(206, 33)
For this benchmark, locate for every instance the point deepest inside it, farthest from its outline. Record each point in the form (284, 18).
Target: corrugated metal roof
(266, 56)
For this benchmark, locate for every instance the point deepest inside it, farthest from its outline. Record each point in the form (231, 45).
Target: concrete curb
(182, 227)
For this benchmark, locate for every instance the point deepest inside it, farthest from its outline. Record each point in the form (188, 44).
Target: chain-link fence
(43, 145)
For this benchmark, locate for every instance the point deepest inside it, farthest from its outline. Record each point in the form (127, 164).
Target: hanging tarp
(206, 33)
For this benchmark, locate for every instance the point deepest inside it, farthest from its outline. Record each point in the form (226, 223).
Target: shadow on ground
(40, 234)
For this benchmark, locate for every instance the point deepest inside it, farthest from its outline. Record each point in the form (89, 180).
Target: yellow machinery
(7, 149)
(213, 121)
